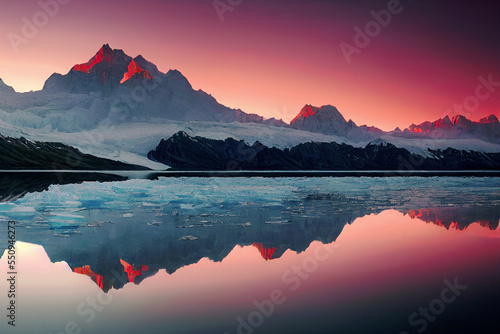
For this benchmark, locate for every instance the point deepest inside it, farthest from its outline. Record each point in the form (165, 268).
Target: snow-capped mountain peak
(105, 54)
(458, 126)
(115, 88)
(147, 65)
(446, 120)
(327, 120)
(108, 68)
(490, 119)
(460, 120)
(307, 111)
(102, 73)
(135, 70)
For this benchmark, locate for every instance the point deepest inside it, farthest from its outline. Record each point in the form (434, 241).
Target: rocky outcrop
(18, 154)
(183, 152)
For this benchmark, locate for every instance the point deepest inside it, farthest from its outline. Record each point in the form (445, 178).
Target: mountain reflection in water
(381, 268)
(195, 255)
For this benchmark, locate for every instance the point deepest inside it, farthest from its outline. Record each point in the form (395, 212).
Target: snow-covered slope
(130, 142)
(113, 87)
(420, 145)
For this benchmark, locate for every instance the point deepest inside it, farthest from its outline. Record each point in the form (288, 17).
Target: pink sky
(273, 57)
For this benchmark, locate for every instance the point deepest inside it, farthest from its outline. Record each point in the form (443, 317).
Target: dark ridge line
(229, 174)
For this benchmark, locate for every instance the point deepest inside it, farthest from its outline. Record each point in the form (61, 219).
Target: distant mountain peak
(305, 112)
(140, 58)
(105, 54)
(458, 126)
(327, 120)
(459, 120)
(372, 129)
(135, 70)
(310, 110)
(489, 119)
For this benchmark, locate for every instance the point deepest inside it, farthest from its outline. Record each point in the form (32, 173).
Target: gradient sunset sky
(271, 57)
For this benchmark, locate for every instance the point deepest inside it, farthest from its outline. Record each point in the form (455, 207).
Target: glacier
(130, 142)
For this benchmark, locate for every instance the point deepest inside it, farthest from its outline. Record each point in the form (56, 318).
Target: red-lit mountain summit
(113, 87)
(106, 70)
(105, 54)
(458, 126)
(134, 69)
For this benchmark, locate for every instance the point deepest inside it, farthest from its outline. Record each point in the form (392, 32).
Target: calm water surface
(257, 255)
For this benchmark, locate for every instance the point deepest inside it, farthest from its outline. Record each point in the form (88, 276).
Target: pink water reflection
(388, 258)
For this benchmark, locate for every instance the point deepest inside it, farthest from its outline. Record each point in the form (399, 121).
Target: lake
(252, 254)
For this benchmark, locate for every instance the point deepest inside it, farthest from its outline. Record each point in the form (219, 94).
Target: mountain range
(101, 257)
(458, 126)
(114, 87)
(328, 120)
(115, 93)
(184, 152)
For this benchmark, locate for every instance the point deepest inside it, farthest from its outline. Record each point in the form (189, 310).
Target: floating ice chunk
(188, 238)
(21, 208)
(95, 224)
(127, 215)
(65, 215)
(72, 203)
(63, 224)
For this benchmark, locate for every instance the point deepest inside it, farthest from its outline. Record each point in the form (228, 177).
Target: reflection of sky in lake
(367, 276)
